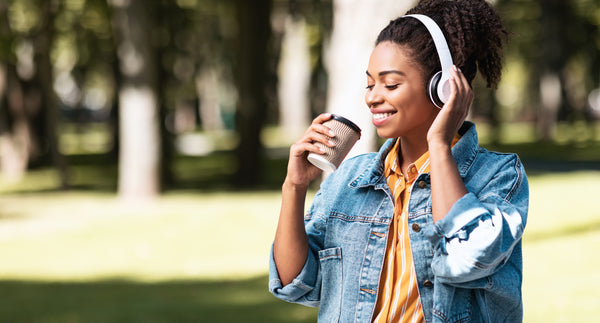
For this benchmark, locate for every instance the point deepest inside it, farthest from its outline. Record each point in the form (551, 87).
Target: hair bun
(472, 28)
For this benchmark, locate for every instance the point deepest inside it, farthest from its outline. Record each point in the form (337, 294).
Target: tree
(28, 127)
(556, 43)
(356, 24)
(15, 128)
(251, 72)
(294, 73)
(140, 143)
(43, 43)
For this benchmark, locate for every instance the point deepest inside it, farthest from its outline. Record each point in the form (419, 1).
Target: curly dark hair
(472, 28)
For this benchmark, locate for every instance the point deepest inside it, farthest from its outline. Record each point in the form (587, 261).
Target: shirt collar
(464, 153)
(421, 165)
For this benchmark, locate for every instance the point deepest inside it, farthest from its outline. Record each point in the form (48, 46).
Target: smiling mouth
(381, 116)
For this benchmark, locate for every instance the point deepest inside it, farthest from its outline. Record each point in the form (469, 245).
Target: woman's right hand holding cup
(300, 171)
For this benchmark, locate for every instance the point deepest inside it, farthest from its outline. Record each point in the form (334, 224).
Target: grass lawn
(561, 280)
(191, 256)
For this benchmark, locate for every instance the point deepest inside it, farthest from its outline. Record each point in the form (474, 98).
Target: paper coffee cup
(346, 135)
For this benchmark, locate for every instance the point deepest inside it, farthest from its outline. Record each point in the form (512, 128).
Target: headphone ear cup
(432, 90)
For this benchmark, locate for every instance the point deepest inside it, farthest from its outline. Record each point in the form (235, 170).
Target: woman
(429, 228)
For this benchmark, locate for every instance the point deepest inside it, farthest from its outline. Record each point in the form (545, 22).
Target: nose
(373, 97)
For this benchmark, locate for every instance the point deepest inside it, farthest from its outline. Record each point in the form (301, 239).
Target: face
(396, 93)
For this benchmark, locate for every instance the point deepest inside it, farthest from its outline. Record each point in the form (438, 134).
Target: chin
(386, 134)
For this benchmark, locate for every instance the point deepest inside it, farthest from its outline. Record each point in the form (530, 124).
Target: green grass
(199, 252)
(83, 236)
(130, 301)
(561, 278)
(561, 281)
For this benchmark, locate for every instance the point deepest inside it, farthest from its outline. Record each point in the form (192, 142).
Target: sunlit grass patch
(85, 236)
(563, 203)
(561, 278)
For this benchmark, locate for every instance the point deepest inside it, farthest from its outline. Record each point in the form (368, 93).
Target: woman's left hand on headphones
(455, 111)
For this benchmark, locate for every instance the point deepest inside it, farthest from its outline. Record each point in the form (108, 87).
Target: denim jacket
(468, 264)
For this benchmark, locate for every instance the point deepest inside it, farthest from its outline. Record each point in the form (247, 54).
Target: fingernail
(331, 133)
(331, 143)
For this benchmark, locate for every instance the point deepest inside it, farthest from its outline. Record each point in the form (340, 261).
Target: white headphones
(438, 87)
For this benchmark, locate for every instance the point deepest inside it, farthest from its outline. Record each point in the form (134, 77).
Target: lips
(381, 116)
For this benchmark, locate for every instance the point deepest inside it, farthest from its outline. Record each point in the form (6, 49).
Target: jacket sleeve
(478, 235)
(305, 289)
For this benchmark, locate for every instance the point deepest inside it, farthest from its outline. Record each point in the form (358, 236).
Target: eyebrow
(383, 73)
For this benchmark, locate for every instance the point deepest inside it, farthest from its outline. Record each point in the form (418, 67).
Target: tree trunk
(356, 24)
(294, 79)
(15, 130)
(550, 95)
(139, 130)
(553, 57)
(253, 38)
(208, 88)
(49, 99)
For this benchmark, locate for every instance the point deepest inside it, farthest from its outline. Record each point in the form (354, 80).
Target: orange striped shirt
(398, 298)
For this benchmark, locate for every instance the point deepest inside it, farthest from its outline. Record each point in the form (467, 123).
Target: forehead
(391, 56)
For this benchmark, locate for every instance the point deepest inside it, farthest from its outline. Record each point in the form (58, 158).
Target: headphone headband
(443, 90)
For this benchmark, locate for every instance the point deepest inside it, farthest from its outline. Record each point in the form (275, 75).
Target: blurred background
(143, 145)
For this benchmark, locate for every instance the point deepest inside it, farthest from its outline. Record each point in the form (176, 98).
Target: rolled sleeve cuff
(300, 287)
(466, 210)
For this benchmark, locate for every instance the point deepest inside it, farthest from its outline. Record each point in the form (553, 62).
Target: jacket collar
(464, 153)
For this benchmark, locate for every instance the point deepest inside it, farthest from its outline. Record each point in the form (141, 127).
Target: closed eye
(392, 87)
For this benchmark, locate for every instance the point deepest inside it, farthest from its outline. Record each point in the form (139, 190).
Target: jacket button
(422, 184)
(427, 283)
(416, 227)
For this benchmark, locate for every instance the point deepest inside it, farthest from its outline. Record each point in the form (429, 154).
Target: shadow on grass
(126, 301)
(99, 173)
(543, 158)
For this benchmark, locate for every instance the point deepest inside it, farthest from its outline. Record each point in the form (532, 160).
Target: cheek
(405, 97)
(419, 96)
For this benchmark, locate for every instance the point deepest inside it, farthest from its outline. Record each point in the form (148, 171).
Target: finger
(304, 148)
(321, 138)
(458, 79)
(312, 137)
(322, 118)
(317, 132)
(463, 94)
(465, 87)
(322, 129)
(466, 91)
(463, 83)
(453, 88)
(317, 125)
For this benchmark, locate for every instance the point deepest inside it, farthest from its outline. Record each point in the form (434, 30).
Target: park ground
(199, 253)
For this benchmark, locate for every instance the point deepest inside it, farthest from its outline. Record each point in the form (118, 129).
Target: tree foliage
(214, 66)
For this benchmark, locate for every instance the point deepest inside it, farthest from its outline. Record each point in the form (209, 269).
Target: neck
(414, 143)
(411, 149)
